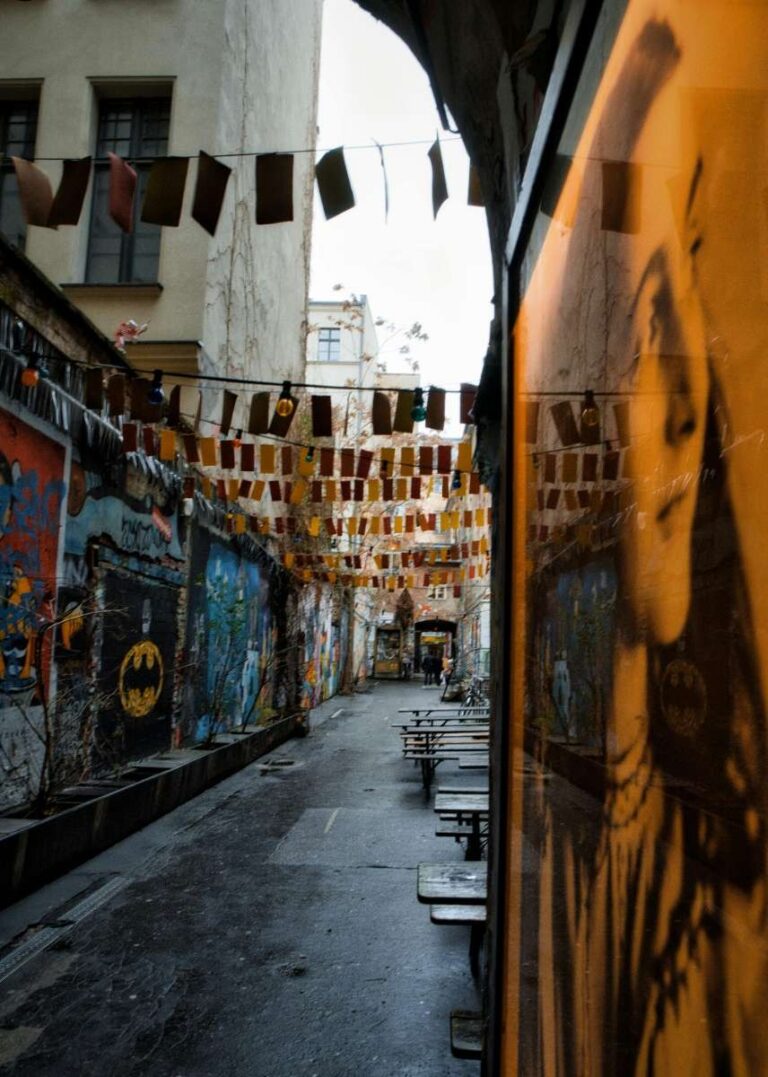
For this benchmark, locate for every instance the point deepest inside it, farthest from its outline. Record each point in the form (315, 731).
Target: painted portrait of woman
(649, 289)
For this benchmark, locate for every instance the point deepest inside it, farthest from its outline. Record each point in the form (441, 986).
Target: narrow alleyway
(269, 928)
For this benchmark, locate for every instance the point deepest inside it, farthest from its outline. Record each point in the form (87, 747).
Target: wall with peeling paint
(242, 77)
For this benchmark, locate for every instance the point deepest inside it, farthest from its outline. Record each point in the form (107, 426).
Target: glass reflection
(647, 644)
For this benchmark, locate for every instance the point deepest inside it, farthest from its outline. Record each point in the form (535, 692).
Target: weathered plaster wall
(243, 77)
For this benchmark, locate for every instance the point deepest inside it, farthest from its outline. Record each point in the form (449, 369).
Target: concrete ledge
(43, 849)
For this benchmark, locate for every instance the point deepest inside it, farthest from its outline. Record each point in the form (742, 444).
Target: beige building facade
(172, 77)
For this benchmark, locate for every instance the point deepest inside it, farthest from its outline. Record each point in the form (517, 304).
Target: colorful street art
(32, 468)
(138, 516)
(230, 639)
(138, 649)
(324, 641)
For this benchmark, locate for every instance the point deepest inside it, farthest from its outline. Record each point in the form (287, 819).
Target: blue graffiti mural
(230, 637)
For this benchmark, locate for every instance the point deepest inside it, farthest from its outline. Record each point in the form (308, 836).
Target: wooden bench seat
(458, 914)
(467, 1034)
(453, 830)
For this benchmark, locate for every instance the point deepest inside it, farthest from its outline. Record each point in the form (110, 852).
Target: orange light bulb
(284, 407)
(30, 376)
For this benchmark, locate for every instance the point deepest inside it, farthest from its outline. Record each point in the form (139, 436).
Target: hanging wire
(305, 149)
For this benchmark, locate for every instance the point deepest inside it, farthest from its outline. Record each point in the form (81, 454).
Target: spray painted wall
(231, 644)
(323, 637)
(32, 489)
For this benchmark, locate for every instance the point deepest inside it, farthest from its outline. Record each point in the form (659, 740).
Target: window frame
(141, 107)
(7, 171)
(333, 338)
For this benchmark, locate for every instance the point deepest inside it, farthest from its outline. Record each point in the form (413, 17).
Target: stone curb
(40, 850)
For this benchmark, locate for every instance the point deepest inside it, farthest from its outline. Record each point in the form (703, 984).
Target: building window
(18, 129)
(137, 131)
(329, 346)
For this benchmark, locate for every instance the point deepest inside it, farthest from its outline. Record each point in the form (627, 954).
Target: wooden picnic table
(452, 884)
(454, 714)
(472, 807)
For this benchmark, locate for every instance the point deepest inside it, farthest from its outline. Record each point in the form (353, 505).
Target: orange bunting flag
(207, 448)
(167, 445)
(122, 189)
(35, 192)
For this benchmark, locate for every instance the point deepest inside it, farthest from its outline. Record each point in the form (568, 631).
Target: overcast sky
(412, 268)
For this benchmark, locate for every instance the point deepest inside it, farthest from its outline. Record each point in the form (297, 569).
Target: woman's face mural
(646, 283)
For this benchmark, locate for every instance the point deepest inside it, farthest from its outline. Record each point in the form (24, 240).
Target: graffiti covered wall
(32, 489)
(137, 655)
(230, 648)
(324, 634)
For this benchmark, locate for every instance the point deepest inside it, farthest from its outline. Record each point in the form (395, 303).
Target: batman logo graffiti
(683, 697)
(141, 679)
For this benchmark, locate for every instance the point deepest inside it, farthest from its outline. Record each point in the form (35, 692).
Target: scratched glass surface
(642, 342)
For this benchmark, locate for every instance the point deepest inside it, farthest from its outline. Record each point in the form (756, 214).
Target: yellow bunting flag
(401, 490)
(307, 463)
(267, 459)
(386, 462)
(455, 517)
(464, 456)
(298, 489)
(167, 444)
(409, 581)
(330, 560)
(288, 559)
(330, 490)
(307, 575)
(374, 525)
(233, 489)
(239, 524)
(257, 489)
(407, 458)
(314, 526)
(207, 447)
(398, 522)
(351, 525)
(374, 490)
(479, 517)
(445, 521)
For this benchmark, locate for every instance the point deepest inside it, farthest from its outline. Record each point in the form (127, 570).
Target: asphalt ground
(268, 928)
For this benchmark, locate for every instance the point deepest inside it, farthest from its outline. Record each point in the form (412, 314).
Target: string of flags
(143, 399)
(166, 184)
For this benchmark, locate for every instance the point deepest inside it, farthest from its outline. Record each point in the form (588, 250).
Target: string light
(284, 406)
(418, 411)
(156, 394)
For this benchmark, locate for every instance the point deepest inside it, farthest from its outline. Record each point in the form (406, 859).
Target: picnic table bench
(467, 1034)
(452, 884)
(471, 808)
(429, 744)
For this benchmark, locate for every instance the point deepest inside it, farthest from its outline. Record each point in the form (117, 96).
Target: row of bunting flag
(372, 525)
(399, 560)
(399, 583)
(262, 411)
(166, 184)
(332, 491)
(411, 464)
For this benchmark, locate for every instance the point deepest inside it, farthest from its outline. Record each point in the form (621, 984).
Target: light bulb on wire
(156, 394)
(418, 411)
(284, 406)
